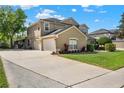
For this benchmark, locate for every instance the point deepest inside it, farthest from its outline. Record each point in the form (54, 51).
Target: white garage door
(49, 44)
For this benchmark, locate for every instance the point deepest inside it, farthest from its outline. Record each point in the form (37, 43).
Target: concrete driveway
(41, 69)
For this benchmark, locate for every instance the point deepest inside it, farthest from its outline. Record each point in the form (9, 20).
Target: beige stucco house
(51, 34)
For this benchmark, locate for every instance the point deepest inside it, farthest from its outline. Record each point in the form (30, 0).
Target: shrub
(96, 46)
(104, 40)
(90, 47)
(110, 47)
(82, 49)
(4, 45)
(65, 47)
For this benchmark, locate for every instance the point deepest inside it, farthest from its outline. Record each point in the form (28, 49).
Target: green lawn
(109, 60)
(3, 80)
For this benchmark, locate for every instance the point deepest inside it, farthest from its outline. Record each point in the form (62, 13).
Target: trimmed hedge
(90, 47)
(110, 47)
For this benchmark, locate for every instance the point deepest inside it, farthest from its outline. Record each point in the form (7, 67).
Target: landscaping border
(3, 79)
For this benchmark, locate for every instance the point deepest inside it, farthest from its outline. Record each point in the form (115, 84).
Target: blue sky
(95, 17)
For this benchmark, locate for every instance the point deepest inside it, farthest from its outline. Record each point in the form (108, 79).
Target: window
(46, 26)
(72, 44)
(38, 28)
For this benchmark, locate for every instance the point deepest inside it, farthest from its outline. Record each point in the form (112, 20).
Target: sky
(95, 17)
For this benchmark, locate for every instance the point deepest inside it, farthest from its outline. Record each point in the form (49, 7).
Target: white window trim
(48, 27)
(77, 43)
(73, 38)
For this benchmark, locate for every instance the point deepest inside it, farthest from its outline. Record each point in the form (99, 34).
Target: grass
(108, 60)
(3, 80)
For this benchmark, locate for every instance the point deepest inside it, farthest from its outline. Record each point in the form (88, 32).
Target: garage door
(49, 44)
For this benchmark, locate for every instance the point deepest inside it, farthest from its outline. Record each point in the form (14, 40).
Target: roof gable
(74, 27)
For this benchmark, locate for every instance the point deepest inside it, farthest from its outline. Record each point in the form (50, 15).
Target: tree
(104, 40)
(11, 22)
(121, 28)
(4, 27)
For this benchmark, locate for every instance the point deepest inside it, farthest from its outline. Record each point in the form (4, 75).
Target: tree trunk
(11, 42)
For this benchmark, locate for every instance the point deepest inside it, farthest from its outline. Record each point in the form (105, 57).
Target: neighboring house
(103, 32)
(119, 44)
(52, 34)
(90, 40)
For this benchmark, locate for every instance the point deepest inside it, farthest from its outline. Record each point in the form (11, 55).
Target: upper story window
(46, 26)
(38, 28)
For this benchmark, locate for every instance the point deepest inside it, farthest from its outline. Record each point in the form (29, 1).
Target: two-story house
(52, 34)
(103, 33)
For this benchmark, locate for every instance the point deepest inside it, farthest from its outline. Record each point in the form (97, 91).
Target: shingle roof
(53, 19)
(84, 25)
(58, 30)
(90, 37)
(114, 30)
(70, 18)
(100, 31)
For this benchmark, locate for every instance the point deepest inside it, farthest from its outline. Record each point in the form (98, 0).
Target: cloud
(47, 13)
(96, 20)
(74, 10)
(102, 12)
(28, 21)
(26, 7)
(88, 10)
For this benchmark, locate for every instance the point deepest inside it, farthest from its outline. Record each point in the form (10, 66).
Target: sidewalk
(114, 79)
